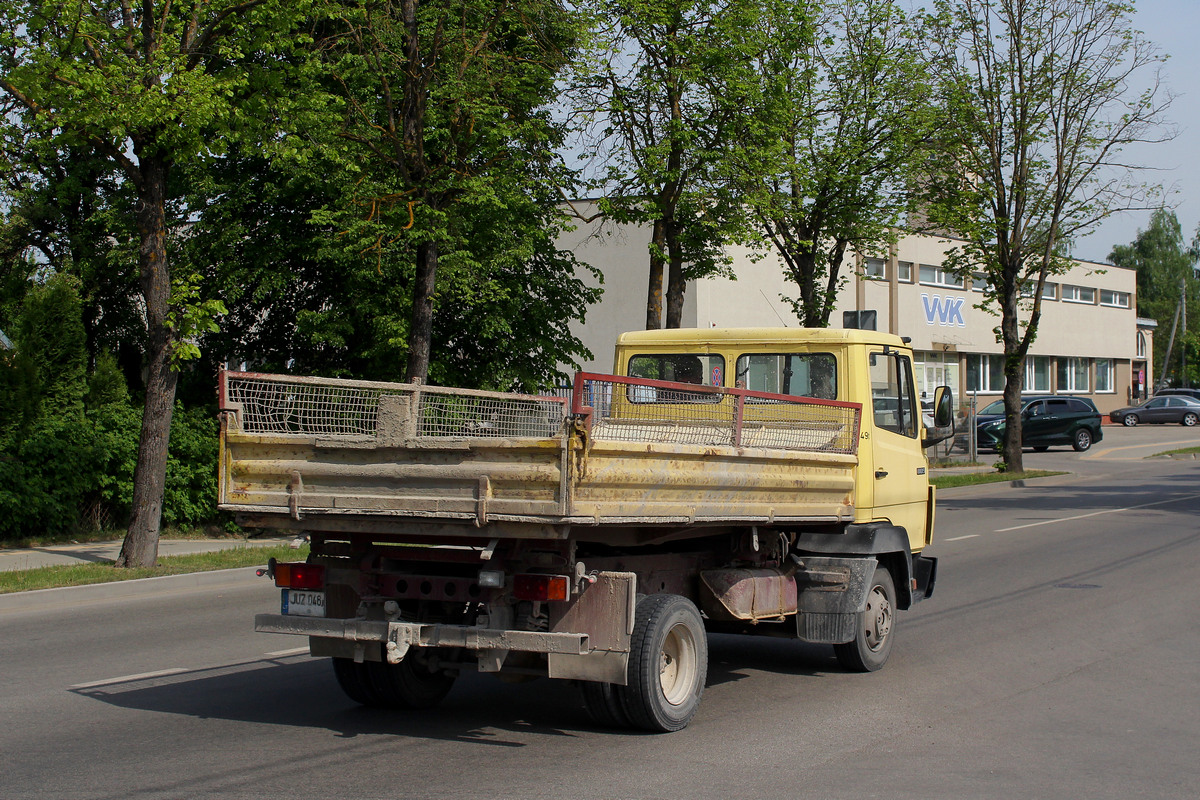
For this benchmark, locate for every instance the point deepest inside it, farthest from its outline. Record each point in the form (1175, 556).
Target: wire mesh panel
(273, 405)
(474, 415)
(280, 404)
(631, 409)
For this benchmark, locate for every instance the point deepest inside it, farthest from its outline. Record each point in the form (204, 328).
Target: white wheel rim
(877, 621)
(678, 664)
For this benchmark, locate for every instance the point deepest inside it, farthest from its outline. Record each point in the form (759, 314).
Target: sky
(1172, 25)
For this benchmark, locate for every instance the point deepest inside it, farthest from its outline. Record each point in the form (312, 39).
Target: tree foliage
(447, 150)
(147, 88)
(831, 139)
(1165, 267)
(660, 91)
(1038, 108)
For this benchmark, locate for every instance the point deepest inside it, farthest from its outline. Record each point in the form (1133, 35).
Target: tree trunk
(676, 285)
(654, 293)
(420, 338)
(140, 548)
(1014, 363)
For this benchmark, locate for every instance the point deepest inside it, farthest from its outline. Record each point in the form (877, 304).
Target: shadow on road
(301, 692)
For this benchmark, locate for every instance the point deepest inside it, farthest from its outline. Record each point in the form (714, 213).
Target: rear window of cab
(796, 374)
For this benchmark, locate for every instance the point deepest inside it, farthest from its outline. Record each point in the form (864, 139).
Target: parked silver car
(1160, 408)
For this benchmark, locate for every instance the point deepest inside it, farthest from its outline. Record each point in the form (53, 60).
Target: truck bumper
(397, 637)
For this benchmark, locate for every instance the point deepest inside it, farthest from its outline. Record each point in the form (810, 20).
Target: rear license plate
(303, 603)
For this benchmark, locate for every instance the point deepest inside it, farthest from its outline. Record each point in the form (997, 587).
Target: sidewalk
(93, 552)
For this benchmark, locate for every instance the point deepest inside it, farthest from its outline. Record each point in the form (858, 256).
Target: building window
(1050, 291)
(978, 282)
(875, 269)
(1141, 345)
(936, 276)
(1073, 375)
(933, 370)
(1037, 374)
(1115, 299)
(1078, 294)
(904, 271)
(1104, 375)
(985, 373)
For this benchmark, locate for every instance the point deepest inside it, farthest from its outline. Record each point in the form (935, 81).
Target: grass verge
(109, 534)
(1186, 451)
(24, 580)
(977, 478)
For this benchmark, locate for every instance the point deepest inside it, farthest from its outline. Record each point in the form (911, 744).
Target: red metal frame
(581, 410)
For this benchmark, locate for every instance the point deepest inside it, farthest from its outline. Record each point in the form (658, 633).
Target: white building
(1090, 343)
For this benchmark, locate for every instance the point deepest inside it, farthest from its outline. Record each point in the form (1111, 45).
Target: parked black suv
(1045, 421)
(1192, 393)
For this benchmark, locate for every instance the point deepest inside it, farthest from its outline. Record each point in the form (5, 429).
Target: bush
(75, 472)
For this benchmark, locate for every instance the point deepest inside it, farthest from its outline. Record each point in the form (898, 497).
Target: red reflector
(540, 587)
(300, 576)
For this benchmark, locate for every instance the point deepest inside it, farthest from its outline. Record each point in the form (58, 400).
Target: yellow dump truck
(744, 481)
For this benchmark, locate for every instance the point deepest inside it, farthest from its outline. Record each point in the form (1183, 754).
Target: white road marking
(1097, 513)
(141, 676)
(127, 678)
(295, 651)
(960, 538)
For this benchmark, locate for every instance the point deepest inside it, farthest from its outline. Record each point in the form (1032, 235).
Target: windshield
(993, 408)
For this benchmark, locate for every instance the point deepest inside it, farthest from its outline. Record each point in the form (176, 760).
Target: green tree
(832, 138)
(1163, 263)
(445, 139)
(149, 87)
(1037, 111)
(661, 89)
(505, 295)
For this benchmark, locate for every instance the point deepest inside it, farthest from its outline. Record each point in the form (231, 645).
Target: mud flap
(604, 611)
(832, 592)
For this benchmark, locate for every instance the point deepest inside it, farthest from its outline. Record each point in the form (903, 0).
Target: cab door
(899, 479)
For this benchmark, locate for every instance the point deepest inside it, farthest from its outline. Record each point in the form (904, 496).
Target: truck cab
(866, 367)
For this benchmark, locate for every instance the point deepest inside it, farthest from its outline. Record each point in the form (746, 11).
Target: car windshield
(993, 408)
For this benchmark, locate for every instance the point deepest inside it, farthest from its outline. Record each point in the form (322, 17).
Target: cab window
(707, 369)
(799, 374)
(892, 393)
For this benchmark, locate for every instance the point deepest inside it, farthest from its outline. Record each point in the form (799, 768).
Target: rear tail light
(541, 587)
(300, 576)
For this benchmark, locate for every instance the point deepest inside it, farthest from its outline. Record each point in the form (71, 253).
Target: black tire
(1041, 448)
(604, 705)
(356, 683)
(411, 683)
(668, 664)
(1189, 419)
(1129, 420)
(1083, 440)
(870, 648)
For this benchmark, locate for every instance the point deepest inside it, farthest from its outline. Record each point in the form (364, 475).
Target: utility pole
(1183, 381)
(1162, 379)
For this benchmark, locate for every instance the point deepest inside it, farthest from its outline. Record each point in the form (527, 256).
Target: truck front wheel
(871, 646)
(668, 664)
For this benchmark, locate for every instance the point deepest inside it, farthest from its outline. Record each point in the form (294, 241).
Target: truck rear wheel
(409, 684)
(355, 682)
(871, 646)
(603, 704)
(668, 664)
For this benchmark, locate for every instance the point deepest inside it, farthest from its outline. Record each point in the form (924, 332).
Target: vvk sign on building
(944, 311)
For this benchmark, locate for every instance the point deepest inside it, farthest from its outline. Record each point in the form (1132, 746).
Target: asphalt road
(1058, 658)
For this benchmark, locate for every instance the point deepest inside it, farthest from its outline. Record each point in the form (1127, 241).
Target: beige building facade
(1091, 342)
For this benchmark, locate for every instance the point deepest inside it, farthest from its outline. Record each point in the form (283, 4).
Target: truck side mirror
(943, 417)
(943, 407)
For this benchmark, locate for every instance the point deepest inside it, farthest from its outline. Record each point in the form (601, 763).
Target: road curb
(116, 590)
